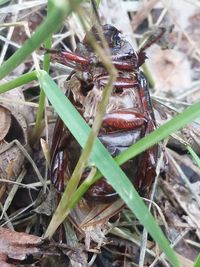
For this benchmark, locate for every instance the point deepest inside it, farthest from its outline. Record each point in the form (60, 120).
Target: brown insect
(129, 114)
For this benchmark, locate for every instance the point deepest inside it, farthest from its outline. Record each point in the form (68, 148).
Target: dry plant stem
(37, 184)
(28, 186)
(122, 234)
(41, 108)
(25, 5)
(9, 224)
(193, 243)
(34, 55)
(145, 233)
(19, 213)
(176, 241)
(15, 45)
(9, 35)
(58, 38)
(48, 155)
(184, 177)
(24, 217)
(8, 41)
(142, 14)
(46, 151)
(161, 17)
(17, 23)
(26, 154)
(192, 89)
(102, 213)
(60, 11)
(91, 262)
(160, 213)
(125, 255)
(193, 44)
(20, 102)
(12, 193)
(76, 176)
(164, 100)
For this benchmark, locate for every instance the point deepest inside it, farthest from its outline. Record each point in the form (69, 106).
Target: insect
(129, 114)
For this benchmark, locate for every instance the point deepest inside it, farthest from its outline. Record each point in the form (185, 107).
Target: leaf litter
(96, 239)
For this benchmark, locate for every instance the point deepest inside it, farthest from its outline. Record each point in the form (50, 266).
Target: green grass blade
(23, 79)
(197, 262)
(104, 163)
(194, 155)
(46, 65)
(60, 11)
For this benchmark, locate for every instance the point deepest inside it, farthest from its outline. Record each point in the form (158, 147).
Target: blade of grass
(60, 11)
(46, 64)
(197, 262)
(23, 79)
(104, 163)
(194, 155)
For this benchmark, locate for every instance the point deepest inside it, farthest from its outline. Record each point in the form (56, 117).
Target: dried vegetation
(26, 201)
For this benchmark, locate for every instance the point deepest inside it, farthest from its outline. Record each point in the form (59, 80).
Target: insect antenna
(159, 35)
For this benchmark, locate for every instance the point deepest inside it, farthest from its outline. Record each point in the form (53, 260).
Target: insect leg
(68, 58)
(120, 82)
(143, 90)
(147, 169)
(60, 163)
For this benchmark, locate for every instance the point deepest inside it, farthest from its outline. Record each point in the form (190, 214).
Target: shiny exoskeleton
(129, 115)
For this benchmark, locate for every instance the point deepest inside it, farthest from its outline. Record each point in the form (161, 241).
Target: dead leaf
(5, 119)
(14, 128)
(171, 70)
(46, 150)
(92, 220)
(17, 245)
(47, 203)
